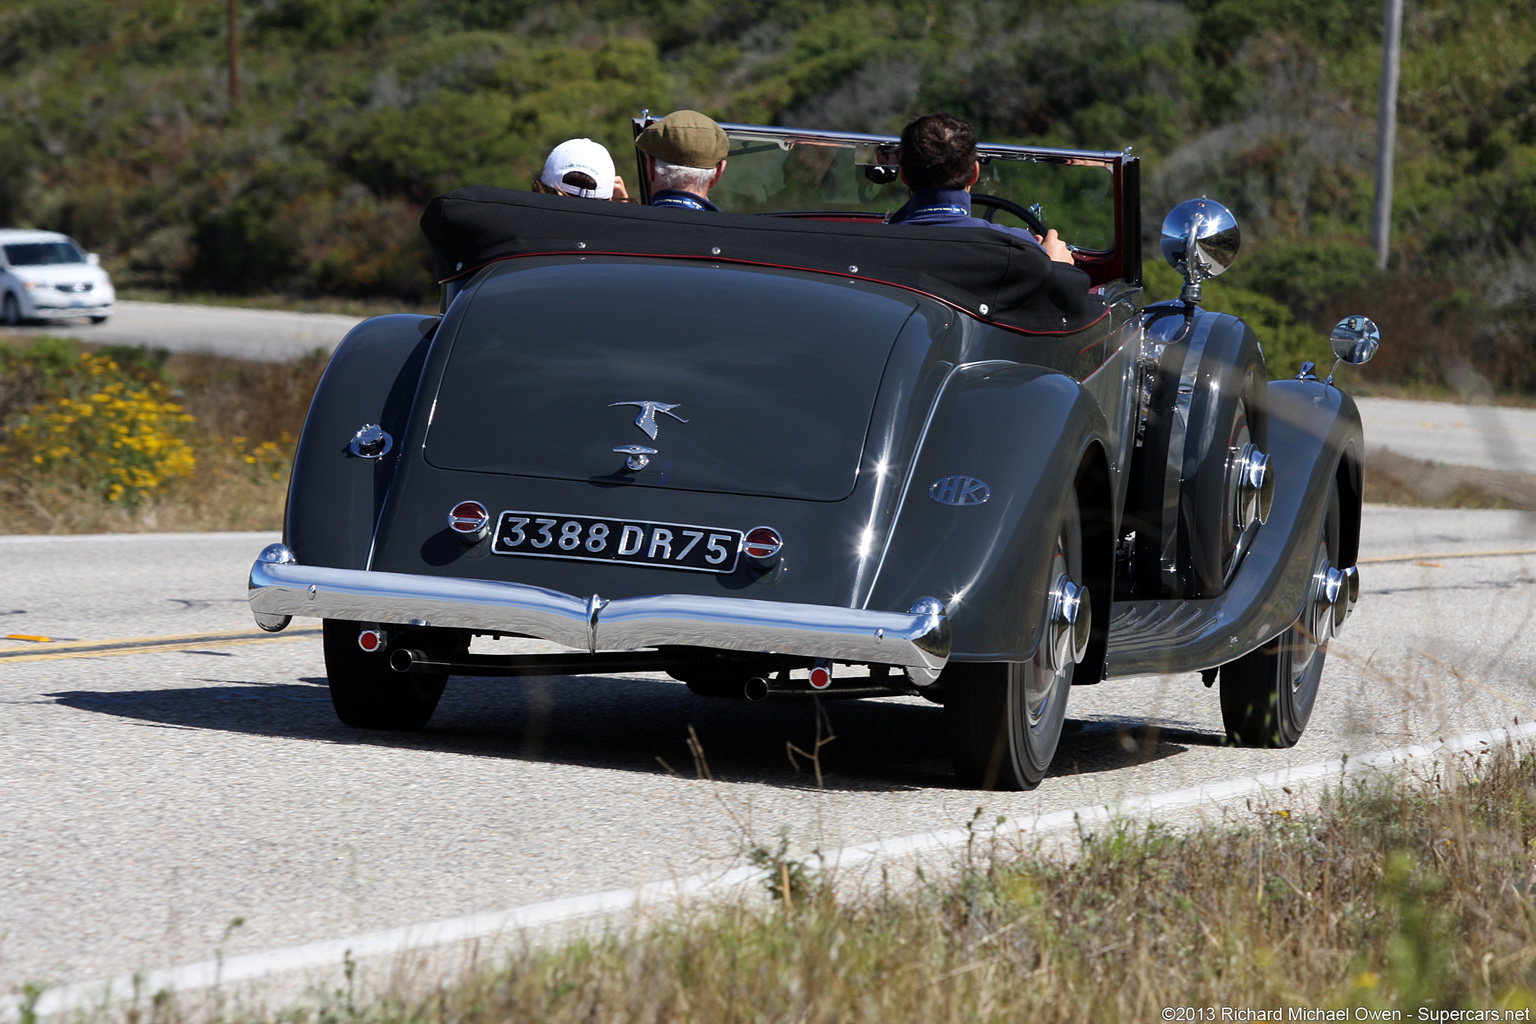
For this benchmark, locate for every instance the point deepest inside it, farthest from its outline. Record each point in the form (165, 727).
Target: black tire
(98, 319)
(1268, 694)
(1003, 720)
(10, 311)
(367, 693)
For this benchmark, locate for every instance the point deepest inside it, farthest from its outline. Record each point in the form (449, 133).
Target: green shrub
(1285, 342)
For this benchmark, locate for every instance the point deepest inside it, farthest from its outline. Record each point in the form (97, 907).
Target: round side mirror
(1200, 239)
(1355, 339)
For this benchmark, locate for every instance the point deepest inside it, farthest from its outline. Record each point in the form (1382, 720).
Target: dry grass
(1394, 895)
(246, 418)
(1395, 479)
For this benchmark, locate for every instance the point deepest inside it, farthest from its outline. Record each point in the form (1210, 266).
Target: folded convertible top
(991, 274)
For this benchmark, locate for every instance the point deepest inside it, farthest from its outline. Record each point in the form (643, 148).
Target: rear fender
(334, 496)
(1025, 435)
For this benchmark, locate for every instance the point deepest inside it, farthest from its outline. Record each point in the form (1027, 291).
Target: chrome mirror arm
(1194, 268)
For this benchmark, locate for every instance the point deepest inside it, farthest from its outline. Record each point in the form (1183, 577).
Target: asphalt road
(154, 797)
(221, 330)
(1487, 436)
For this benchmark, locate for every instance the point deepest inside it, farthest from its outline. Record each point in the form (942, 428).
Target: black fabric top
(988, 273)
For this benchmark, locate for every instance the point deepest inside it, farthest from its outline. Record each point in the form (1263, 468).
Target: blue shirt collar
(953, 201)
(678, 199)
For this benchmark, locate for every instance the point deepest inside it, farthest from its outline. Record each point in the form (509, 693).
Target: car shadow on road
(1106, 744)
(647, 725)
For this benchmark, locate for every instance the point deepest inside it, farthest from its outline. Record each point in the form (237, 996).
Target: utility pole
(1386, 129)
(234, 53)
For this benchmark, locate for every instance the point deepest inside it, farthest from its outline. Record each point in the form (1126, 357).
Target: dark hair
(576, 179)
(548, 190)
(938, 151)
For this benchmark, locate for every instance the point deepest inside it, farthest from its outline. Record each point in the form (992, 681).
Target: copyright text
(1201, 1014)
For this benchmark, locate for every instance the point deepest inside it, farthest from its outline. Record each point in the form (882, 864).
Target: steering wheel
(995, 203)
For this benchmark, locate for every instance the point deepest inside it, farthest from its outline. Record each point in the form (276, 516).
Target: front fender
(1315, 439)
(334, 497)
(1022, 431)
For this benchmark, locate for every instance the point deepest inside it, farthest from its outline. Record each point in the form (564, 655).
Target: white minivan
(46, 276)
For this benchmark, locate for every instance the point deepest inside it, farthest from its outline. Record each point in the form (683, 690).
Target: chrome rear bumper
(918, 641)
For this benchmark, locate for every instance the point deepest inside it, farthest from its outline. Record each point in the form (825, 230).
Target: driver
(938, 163)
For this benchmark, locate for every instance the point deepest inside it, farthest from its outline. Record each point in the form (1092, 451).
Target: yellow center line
(148, 645)
(1449, 554)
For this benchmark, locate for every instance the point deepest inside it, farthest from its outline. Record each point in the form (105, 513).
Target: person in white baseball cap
(581, 167)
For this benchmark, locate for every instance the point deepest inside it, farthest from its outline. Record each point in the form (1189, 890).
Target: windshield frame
(1122, 260)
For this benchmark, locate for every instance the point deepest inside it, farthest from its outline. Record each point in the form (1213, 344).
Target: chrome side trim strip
(918, 640)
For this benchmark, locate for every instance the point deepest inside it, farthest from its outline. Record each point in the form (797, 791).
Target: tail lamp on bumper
(470, 521)
(763, 547)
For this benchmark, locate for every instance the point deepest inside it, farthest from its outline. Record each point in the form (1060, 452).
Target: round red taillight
(821, 677)
(370, 640)
(762, 544)
(469, 519)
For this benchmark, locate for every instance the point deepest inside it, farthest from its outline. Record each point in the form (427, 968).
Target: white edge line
(211, 973)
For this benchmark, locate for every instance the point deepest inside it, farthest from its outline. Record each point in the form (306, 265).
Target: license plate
(625, 541)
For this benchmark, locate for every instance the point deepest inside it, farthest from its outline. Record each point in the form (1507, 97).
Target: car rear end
(620, 454)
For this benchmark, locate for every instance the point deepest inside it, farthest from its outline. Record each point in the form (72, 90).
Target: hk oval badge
(959, 490)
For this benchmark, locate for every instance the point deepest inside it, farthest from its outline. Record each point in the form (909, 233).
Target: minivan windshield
(42, 254)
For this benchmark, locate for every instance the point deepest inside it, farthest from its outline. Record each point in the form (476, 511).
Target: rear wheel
(366, 692)
(1004, 719)
(1267, 695)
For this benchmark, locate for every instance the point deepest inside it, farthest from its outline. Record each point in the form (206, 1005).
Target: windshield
(42, 254)
(773, 170)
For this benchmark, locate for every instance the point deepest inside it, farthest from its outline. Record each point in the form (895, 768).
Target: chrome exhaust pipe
(758, 689)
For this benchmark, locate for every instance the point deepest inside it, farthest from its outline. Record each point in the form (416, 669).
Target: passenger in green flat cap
(684, 157)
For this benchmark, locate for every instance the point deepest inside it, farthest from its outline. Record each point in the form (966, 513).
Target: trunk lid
(719, 379)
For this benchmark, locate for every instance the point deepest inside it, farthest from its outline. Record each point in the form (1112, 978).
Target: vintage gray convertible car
(789, 450)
